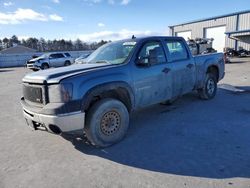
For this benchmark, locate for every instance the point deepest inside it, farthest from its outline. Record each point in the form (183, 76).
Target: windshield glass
(44, 56)
(111, 53)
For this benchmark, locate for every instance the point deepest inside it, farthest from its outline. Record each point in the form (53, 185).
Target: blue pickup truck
(97, 96)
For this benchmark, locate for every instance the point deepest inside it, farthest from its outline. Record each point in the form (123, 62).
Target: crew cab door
(56, 60)
(183, 66)
(152, 84)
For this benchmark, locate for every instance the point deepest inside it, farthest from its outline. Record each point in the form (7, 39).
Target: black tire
(45, 66)
(210, 87)
(107, 122)
(67, 63)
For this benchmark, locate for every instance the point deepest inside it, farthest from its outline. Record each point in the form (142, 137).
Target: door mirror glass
(143, 61)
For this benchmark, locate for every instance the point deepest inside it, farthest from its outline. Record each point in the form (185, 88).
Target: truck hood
(36, 59)
(55, 75)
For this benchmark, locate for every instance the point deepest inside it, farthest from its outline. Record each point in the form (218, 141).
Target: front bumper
(32, 66)
(62, 123)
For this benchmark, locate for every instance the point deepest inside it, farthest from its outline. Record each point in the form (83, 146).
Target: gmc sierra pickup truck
(97, 96)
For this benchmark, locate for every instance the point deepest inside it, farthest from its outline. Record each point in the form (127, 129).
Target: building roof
(238, 32)
(242, 35)
(212, 18)
(17, 50)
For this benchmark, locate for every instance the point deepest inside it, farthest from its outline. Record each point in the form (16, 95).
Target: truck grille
(30, 62)
(33, 93)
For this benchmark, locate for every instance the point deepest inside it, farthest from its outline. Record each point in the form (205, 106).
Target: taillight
(225, 58)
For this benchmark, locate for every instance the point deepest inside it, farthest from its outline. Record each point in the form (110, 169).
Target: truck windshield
(111, 53)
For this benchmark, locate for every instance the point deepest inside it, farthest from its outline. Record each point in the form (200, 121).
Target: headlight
(37, 62)
(61, 92)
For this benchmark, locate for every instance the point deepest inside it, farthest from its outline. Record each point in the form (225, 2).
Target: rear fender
(202, 71)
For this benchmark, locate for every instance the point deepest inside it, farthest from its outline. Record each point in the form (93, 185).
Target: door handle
(166, 70)
(190, 66)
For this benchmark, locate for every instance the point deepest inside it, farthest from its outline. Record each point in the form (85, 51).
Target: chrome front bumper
(32, 66)
(69, 122)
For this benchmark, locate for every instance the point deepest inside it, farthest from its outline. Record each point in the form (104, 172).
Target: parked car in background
(80, 59)
(50, 60)
(243, 52)
(230, 52)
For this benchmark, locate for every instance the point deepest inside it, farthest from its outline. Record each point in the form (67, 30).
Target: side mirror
(143, 61)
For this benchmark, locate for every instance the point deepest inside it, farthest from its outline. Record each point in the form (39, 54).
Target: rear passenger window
(67, 55)
(177, 50)
(55, 56)
(60, 55)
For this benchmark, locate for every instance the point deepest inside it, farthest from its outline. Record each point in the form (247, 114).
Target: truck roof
(149, 37)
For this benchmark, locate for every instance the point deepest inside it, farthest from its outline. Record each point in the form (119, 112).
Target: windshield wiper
(102, 61)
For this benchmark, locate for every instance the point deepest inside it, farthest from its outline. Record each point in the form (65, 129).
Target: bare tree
(6, 43)
(43, 45)
(14, 41)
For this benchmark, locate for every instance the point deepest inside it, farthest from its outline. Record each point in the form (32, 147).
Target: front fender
(98, 89)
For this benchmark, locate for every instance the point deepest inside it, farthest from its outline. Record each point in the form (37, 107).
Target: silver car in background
(80, 60)
(50, 60)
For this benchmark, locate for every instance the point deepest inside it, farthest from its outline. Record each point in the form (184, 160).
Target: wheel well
(45, 63)
(120, 94)
(214, 70)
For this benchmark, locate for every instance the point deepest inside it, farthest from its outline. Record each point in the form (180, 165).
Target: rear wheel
(67, 63)
(210, 88)
(107, 122)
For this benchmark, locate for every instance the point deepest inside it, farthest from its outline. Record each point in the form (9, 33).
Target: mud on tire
(107, 122)
(210, 87)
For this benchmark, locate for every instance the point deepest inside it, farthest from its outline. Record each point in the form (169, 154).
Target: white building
(231, 30)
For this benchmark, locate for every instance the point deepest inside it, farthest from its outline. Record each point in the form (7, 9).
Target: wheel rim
(45, 67)
(110, 123)
(210, 86)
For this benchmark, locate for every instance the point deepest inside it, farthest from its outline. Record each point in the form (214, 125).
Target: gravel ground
(192, 143)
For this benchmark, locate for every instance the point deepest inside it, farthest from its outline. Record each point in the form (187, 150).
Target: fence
(18, 60)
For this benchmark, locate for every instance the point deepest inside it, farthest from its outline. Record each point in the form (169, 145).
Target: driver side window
(152, 53)
(52, 56)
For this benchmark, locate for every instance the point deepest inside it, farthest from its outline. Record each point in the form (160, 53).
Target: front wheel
(44, 66)
(107, 122)
(210, 88)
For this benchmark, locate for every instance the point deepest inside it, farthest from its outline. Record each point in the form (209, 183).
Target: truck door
(152, 83)
(61, 60)
(183, 67)
(53, 60)
(56, 60)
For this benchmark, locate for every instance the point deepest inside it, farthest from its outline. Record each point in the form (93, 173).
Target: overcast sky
(93, 20)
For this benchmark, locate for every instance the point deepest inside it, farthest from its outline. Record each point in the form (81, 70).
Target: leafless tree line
(43, 45)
